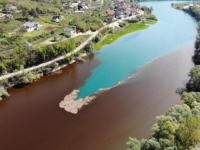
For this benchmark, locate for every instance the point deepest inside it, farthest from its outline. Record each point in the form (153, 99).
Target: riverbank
(132, 27)
(126, 110)
(38, 71)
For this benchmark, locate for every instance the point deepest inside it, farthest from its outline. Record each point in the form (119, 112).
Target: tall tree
(189, 133)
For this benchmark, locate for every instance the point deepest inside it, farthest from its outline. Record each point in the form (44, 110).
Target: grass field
(150, 22)
(132, 27)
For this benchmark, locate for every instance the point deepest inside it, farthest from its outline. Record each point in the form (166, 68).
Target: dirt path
(48, 41)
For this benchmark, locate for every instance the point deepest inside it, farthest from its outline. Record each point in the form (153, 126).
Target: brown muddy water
(32, 120)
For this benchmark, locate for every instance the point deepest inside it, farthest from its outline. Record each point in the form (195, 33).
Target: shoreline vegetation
(49, 52)
(132, 27)
(179, 127)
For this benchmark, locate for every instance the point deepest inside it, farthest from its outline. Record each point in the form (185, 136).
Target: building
(69, 3)
(69, 32)
(55, 18)
(8, 16)
(82, 7)
(2, 16)
(10, 7)
(119, 13)
(64, 1)
(111, 13)
(75, 5)
(78, 1)
(191, 5)
(29, 27)
(57, 38)
(185, 7)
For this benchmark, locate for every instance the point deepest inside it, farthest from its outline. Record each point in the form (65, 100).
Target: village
(59, 25)
(37, 39)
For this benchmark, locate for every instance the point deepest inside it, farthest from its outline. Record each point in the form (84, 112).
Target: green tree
(2, 68)
(133, 144)
(25, 14)
(195, 77)
(189, 133)
(34, 13)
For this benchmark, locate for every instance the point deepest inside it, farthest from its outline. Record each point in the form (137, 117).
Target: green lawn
(150, 22)
(132, 27)
(98, 46)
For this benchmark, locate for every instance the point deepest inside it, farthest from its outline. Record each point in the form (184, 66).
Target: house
(57, 38)
(75, 5)
(10, 7)
(136, 6)
(64, 1)
(69, 3)
(111, 13)
(55, 18)
(82, 7)
(2, 16)
(69, 32)
(29, 27)
(8, 16)
(185, 7)
(119, 4)
(119, 13)
(191, 5)
(78, 1)
(108, 19)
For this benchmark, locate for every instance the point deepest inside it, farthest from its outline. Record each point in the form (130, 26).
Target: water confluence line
(68, 54)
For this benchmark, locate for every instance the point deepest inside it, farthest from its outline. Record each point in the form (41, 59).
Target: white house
(29, 27)
(191, 5)
(69, 32)
(10, 7)
(185, 7)
(55, 18)
(75, 5)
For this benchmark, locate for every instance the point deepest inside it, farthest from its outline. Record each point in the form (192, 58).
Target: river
(31, 118)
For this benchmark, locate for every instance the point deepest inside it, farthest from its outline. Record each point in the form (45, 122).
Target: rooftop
(30, 25)
(67, 29)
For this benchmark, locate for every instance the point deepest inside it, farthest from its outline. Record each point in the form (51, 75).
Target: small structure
(10, 7)
(78, 31)
(64, 1)
(57, 38)
(69, 32)
(78, 1)
(185, 7)
(31, 19)
(191, 5)
(69, 3)
(109, 19)
(74, 5)
(2, 16)
(119, 13)
(111, 14)
(55, 18)
(8, 16)
(29, 27)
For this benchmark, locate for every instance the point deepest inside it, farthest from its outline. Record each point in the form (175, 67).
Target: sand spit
(72, 106)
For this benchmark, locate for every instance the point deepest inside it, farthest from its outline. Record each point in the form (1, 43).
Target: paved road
(68, 54)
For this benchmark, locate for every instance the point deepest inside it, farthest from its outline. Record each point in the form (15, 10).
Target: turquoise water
(174, 30)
